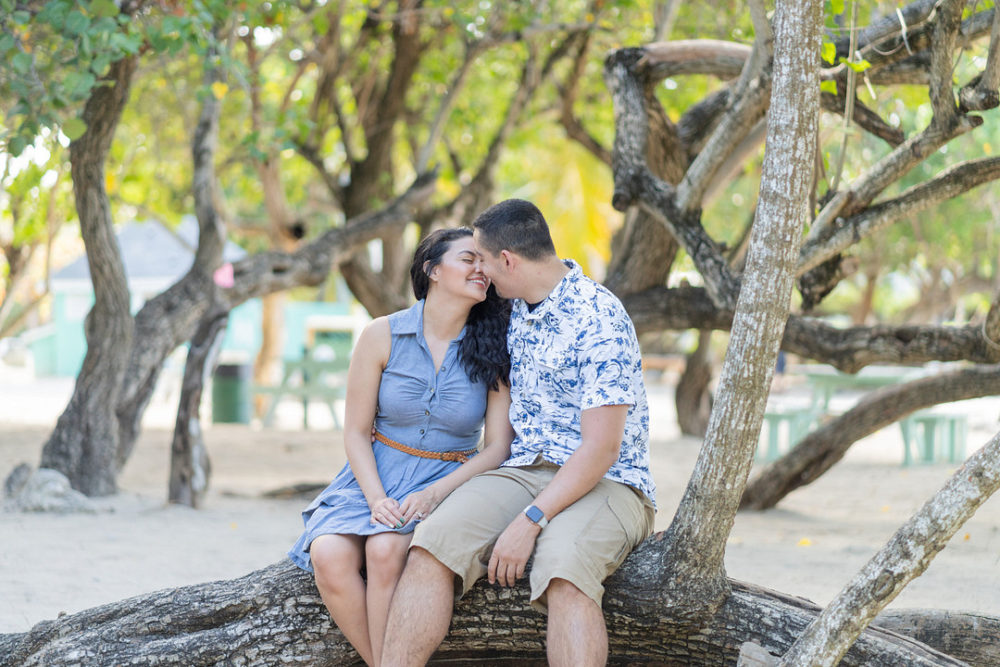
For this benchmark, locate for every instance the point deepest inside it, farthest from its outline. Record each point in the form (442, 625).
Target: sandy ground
(810, 546)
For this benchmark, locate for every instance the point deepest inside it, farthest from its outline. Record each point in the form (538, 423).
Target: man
(576, 490)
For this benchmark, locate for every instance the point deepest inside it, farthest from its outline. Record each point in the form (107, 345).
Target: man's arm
(601, 431)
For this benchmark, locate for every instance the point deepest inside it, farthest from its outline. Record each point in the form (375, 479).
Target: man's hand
(512, 550)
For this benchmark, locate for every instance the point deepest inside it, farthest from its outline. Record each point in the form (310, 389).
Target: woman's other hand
(418, 505)
(388, 513)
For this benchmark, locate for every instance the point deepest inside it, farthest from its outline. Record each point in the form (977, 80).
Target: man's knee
(422, 563)
(564, 593)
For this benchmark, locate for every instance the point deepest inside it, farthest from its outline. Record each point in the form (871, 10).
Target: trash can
(231, 394)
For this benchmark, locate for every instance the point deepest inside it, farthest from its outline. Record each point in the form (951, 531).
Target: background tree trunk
(84, 442)
(190, 468)
(693, 399)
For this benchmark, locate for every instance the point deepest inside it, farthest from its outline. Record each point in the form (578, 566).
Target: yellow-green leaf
(829, 86)
(74, 128)
(829, 52)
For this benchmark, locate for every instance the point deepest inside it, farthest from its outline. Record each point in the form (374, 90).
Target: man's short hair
(515, 225)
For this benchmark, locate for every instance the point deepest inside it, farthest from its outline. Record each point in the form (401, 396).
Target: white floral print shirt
(577, 350)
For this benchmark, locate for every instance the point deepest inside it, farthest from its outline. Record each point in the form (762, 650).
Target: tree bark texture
(274, 617)
(823, 448)
(84, 442)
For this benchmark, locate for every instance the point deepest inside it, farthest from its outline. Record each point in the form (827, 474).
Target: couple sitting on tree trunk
(555, 376)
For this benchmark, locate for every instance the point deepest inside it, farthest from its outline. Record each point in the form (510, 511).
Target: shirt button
(427, 412)
(421, 431)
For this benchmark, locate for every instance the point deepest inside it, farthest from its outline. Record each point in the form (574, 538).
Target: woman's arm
(498, 436)
(363, 379)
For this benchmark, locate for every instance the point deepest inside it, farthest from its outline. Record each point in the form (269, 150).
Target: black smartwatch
(536, 516)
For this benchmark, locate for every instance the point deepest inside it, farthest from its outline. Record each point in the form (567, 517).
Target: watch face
(534, 514)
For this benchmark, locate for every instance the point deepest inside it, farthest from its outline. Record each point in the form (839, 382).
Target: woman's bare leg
(337, 561)
(385, 556)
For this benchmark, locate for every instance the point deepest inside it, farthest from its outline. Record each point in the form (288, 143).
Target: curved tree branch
(846, 232)
(823, 448)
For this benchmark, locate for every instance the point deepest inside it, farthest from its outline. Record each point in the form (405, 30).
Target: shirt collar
(555, 296)
(411, 321)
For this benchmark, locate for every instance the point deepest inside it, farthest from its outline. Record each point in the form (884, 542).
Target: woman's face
(459, 272)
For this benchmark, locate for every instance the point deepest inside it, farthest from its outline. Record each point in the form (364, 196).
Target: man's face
(493, 267)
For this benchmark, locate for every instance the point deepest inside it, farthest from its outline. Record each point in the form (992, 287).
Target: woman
(428, 378)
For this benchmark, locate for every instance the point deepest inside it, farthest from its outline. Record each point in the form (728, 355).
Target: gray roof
(152, 250)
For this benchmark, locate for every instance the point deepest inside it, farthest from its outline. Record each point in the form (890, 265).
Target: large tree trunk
(84, 443)
(274, 616)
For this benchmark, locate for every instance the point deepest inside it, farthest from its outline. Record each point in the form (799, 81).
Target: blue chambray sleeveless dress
(441, 411)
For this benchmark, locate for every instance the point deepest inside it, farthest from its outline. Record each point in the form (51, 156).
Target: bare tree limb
(694, 56)
(864, 117)
(948, 21)
(847, 349)
(903, 558)
(879, 176)
(846, 232)
(982, 94)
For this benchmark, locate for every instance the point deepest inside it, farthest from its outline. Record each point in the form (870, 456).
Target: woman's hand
(418, 505)
(388, 513)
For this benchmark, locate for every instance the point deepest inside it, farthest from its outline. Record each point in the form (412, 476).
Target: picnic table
(928, 435)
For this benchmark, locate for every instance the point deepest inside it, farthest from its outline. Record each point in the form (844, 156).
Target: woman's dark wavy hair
(483, 349)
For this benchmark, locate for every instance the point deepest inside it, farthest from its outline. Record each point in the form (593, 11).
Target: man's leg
(420, 612)
(576, 633)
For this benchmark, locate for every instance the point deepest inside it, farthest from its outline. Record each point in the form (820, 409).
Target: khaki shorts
(583, 544)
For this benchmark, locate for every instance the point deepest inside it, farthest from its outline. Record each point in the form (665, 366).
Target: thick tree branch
(274, 271)
(948, 21)
(694, 56)
(847, 349)
(878, 177)
(982, 93)
(734, 125)
(912, 15)
(274, 616)
(635, 184)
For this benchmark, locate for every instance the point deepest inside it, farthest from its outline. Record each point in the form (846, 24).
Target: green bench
(928, 437)
(792, 423)
(307, 380)
(931, 437)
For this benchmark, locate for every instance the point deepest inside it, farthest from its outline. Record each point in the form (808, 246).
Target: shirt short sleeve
(607, 356)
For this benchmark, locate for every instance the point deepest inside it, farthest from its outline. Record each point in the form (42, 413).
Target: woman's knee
(385, 556)
(334, 559)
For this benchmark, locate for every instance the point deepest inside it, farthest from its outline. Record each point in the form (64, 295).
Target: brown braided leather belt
(460, 456)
